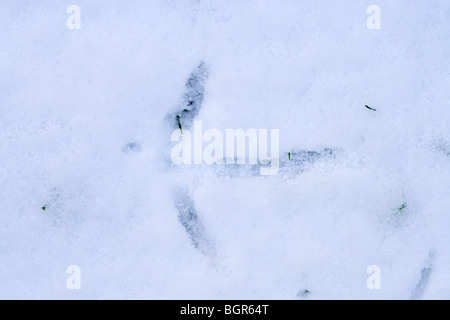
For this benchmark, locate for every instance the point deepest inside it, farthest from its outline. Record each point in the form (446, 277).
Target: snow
(85, 128)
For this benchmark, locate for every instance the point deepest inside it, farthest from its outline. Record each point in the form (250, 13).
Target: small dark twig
(179, 123)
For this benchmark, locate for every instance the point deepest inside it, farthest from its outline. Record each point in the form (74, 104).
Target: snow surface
(85, 131)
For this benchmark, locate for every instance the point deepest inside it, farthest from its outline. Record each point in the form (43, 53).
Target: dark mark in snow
(190, 220)
(132, 147)
(193, 98)
(300, 161)
(294, 164)
(303, 293)
(424, 279)
(370, 108)
(443, 148)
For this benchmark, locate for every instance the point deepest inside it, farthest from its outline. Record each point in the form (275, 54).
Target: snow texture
(86, 117)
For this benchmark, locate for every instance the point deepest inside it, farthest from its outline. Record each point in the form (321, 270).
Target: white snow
(84, 131)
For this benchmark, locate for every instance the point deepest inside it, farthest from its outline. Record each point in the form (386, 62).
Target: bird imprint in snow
(191, 222)
(187, 215)
(192, 99)
(132, 147)
(421, 286)
(291, 164)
